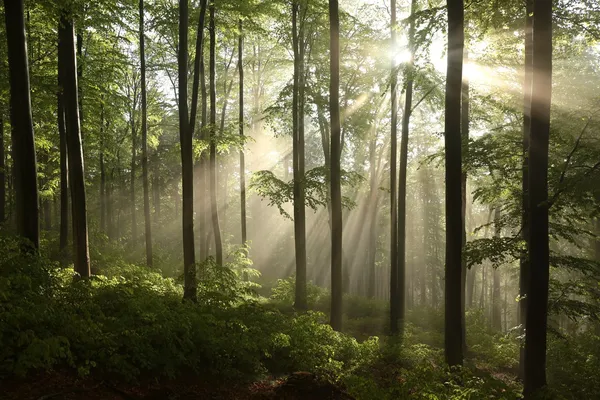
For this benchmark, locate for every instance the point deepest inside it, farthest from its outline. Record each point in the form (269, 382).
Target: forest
(300, 199)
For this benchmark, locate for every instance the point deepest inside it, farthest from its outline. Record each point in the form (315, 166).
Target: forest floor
(57, 386)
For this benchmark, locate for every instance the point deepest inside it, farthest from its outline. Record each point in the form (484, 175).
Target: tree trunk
(373, 200)
(213, 138)
(496, 306)
(464, 116)
(453, 281)
(2, 171)
(300, 301)
(241, 127)
(79, 61)
(524, 260)
(74, 148)
(402, 175)
(200, 85)
(64, 185)
(187, 161)
(25, 166)
(147, 220)
(394, 301)
(537, 294)
(133, 173)
(102, 171)
(336, 152)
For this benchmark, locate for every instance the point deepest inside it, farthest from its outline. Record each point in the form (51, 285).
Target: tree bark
(464, 116)
(213, 138)
(300, 301)
(64, 185)
(373, 200)
(241, 127)
(402, 175)
(394, 301)
(453, 281)
(2, 171)
(336, 152)
(187, 161)
(74, 148)
(537, 294)
(102, 171)
(199, 85)
(496, 306)
(524, 260)
(147, 219)
(24, 159)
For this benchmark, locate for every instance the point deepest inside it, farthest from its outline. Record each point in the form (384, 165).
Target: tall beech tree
(336, 153)
(187, 160)
(2, 170)
(452, 128)
(213, 138)
(537, 190)
(524, 260)
(394, 299)
(25, 165)
(64, 173)
(68, 70)
(147, 219)
(241, 128)
(408, 104)
(298, 11)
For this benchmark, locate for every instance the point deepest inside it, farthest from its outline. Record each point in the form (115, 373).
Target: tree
(452, 125)
(496, 308)
(537, 293)
(187, 161)
(68, 75)
(336, 152)
(241, 124)
(408, 104)
(298, 10)
(147, 220)
(394, 299)
(523, 261)
(2, 171)
(25, 165)
(64, 185)
(213, 138)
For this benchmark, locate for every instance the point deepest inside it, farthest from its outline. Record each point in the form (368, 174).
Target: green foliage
(573, 364)
(285, 290)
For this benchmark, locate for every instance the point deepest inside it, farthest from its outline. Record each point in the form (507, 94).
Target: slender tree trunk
(496, 307)
(187, 161)
(102, 171)
(147, 219)
(453, 281)
(64, 185)
(537, 293)
(25, 166)
(74, 147)
(373, 200)
(156, 193)
(336, 152)
(79, 60)
(394, 302)
(2, 171)
(213, 146)
(524, 260)
(200, 85)
(300, 301)
(241, 127)
(402, 176)
(133, 175)
(465, 109)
